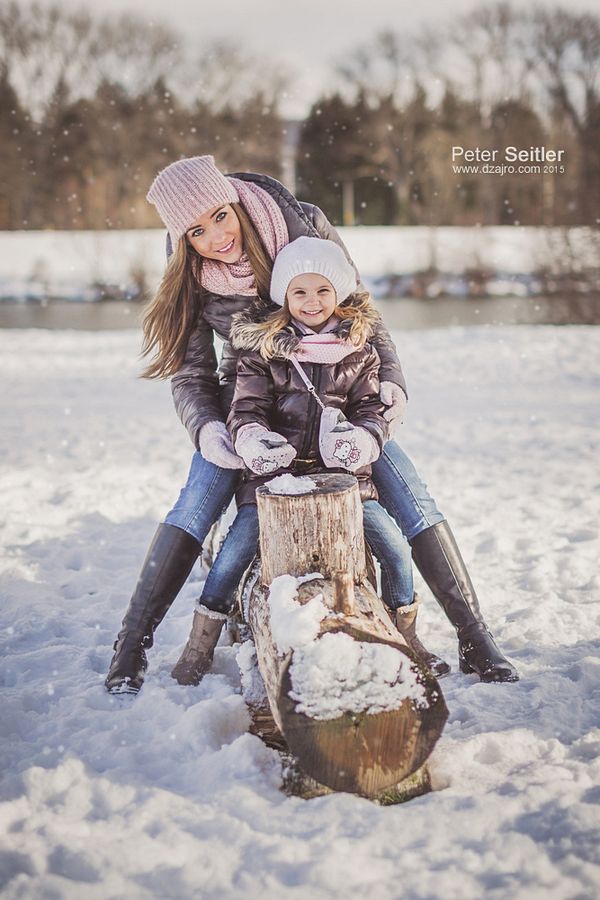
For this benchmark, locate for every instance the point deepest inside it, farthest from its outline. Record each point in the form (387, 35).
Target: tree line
(91, 107)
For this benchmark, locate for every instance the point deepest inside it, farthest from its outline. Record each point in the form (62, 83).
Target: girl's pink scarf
(267, 218)
(323, 347)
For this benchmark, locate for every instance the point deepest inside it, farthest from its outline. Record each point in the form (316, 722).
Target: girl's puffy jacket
(200, 393)
(272, 393)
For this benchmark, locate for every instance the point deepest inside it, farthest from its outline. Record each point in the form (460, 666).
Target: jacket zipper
(306, 446)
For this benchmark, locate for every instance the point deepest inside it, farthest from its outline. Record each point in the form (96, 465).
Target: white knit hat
(312, 255)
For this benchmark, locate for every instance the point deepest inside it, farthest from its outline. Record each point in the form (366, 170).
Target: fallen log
(357, 710)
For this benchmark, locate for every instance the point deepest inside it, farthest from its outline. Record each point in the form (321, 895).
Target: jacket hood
(246, 332)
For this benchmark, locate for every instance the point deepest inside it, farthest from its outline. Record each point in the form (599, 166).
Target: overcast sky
(305, 34)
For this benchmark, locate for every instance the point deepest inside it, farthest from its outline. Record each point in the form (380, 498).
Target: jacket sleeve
(195, 387)
(391, 370)
(364, 407)
(227, 376)
(253, 395)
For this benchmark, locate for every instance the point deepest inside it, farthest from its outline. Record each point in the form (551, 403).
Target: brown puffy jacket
(272, 393)
(200, 393)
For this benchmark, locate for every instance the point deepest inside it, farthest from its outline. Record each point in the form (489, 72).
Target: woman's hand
(263, 451)
(216, 446)
(395, 399)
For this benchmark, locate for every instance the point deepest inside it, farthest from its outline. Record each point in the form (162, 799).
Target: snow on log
(358, 712)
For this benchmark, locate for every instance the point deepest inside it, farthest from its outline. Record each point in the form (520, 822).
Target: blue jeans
(207, 493)
(239, 548)
(402, 493)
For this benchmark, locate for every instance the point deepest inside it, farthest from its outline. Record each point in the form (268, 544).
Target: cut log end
(297, 783)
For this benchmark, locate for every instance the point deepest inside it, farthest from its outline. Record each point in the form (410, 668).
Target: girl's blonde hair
(174, 310)
(357, 307)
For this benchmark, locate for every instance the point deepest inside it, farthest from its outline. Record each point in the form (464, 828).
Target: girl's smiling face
(311, 299)
(217, 235)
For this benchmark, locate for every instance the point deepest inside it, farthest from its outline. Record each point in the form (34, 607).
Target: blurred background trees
(92, 107)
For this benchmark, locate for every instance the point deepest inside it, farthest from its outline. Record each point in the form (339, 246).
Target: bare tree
(568, 49)
(384, 70)
(47, 51)
(225, 76)
(488, 56)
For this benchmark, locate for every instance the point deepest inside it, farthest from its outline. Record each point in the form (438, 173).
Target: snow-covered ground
(167, 795)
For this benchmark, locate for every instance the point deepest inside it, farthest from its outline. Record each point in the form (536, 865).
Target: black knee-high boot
(438, 559)
(168, 563)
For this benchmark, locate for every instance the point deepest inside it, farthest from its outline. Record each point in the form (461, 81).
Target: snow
(334, 674)
(291, 484)
(293, 625)
(253, 686)
(337, 674)
(167, 795)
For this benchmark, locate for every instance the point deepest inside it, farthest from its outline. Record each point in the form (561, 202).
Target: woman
(224, 233)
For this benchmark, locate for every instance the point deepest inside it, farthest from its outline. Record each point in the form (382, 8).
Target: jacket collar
(246, 335)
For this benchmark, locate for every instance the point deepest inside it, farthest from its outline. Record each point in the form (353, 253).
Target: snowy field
(167, 795)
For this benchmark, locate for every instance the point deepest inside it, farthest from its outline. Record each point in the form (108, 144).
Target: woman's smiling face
(311, 299)
(217, 235)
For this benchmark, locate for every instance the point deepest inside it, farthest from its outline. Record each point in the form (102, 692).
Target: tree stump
(364, 749)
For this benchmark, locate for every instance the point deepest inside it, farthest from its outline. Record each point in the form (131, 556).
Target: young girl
(319, 337)
(224, 232)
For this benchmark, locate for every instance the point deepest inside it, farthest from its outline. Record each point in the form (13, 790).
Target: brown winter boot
(197, 656)
(405, 620)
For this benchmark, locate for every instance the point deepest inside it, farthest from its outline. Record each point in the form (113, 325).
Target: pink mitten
(351, 448)
(216, 447)
(263, 451)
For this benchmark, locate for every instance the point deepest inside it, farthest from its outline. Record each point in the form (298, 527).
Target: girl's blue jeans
(209, 490)
(239, 548)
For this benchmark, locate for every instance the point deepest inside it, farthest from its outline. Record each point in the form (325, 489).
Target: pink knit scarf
(323, 348)
(267, 218)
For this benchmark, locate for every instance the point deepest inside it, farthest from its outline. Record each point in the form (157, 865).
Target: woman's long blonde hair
(174, 310)
(358, 307)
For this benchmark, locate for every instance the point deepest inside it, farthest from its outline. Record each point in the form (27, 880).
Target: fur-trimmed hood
(247, 332)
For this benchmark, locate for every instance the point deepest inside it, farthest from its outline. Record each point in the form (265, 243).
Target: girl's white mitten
(263, 451)
(352, 448)
(216, 446)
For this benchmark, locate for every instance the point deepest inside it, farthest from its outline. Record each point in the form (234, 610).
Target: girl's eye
(197, 232)
(221, 216)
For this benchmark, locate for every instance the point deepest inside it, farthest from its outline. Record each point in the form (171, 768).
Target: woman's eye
(197, 232)
(221, 216)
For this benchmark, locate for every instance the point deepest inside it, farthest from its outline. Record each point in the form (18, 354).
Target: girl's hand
(263, 451)
(394, 398)
(216, 446)
(351, 449)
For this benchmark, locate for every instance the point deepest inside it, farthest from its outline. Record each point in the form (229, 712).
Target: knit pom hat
(187, 189)
(312, 255)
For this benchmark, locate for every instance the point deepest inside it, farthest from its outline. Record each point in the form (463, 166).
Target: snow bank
(167, 795)
(52, 261)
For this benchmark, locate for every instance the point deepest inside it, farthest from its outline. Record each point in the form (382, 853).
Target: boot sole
(492, 677)
(123, 688)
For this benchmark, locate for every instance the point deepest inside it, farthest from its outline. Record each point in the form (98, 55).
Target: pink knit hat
(187, 189)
